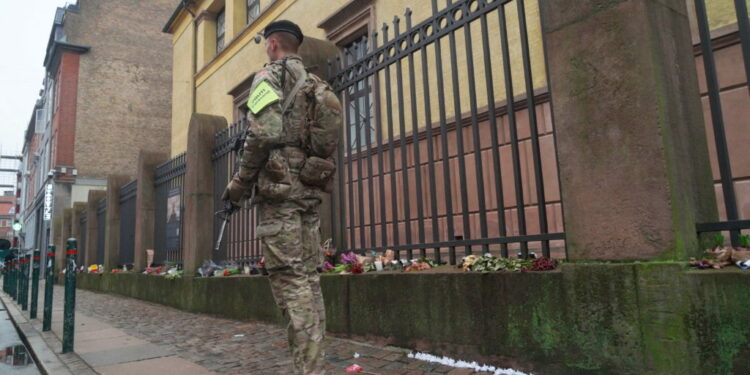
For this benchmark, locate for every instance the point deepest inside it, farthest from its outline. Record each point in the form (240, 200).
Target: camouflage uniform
(289, 228)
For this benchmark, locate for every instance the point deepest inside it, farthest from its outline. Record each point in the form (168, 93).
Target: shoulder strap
(292, 94)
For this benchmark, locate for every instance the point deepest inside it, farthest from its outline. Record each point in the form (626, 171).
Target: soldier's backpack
(320, 129)
(323, 119)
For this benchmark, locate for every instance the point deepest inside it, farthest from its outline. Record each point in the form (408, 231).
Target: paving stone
(461, 371)
(170, 337)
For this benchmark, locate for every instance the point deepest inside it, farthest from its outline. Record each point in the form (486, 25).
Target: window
(359, 99)
(56, 99)
(348, 28)
(220, 31)
(253, 10)
(240, 93)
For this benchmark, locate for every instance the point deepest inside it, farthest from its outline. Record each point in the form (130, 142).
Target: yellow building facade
(216, 51)
(204, 75)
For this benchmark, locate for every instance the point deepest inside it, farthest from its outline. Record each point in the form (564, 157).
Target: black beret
(284, 26)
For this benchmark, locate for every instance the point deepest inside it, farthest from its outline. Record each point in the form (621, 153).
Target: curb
(45, 358)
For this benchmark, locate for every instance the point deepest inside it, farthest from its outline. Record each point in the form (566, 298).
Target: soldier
(278, 148)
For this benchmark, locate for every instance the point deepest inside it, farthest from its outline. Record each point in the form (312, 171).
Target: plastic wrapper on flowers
(490, 263)
(351, 263)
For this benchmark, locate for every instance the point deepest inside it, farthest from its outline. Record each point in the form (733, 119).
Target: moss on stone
(619, 318)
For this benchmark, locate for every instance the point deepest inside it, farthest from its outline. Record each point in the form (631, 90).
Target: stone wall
(649, 318)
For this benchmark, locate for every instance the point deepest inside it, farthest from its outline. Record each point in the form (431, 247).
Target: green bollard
(6, 275)
(49, 289)
(19, 278)
(17, 281)
(12, 287)
(35, 284)
(25, 282)
(14, 278)
(70, 296)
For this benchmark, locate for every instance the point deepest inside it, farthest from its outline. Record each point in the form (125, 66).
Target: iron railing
(82, 222)
(168, 183)
(441, 149)
(127, 222)
(101, 230)
(731, 218)
(239, 242)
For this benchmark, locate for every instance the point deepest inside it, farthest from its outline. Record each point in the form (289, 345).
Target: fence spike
(385, 32)
(396, 22)
(407, 14)
(434, 7)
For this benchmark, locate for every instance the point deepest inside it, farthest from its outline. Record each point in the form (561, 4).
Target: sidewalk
(118, 335)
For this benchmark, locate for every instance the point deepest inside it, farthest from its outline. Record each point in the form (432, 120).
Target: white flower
(446, 361)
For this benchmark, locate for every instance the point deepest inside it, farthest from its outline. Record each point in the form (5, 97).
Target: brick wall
(64, 118)
(124, 88)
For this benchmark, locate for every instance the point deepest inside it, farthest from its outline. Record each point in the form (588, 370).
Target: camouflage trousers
(290, 237)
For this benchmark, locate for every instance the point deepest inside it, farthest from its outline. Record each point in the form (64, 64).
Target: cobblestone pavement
(237, 347)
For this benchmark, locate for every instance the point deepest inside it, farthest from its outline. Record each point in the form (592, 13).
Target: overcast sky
(26, 25)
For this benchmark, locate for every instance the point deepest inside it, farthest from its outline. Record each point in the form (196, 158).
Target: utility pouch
(318, 172)
(274, 181)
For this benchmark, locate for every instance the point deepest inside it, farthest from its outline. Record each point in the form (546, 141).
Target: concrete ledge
(651, 318)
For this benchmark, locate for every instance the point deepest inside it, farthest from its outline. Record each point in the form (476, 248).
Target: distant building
(7, 215)
(106, 96)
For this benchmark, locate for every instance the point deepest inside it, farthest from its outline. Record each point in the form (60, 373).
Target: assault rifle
(229, 208)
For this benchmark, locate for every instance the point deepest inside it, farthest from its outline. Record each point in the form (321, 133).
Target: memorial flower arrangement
(352, 263)
(490, 263)
(720, 256)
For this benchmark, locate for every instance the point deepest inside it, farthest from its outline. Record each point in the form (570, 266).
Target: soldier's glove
(236, 191)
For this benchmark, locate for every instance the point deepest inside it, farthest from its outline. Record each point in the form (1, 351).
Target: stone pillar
(92, 228)
(58, 223)
(75, 232)
(206, 37)
(66, 232)
(112, 240)
(634, 168)
(199, 191)
(236, 13)
(145, 201)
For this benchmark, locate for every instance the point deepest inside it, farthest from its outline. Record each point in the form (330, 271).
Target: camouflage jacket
(270, 129)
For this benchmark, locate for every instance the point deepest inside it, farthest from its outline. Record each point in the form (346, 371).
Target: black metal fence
(101, 230)
(82, 222)
(168, 215)
(723, 98)
(449, 140)
(239, 242)
(127, 222)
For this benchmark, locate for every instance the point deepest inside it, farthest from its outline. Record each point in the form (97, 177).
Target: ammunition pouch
(318, 172)
(275, 181)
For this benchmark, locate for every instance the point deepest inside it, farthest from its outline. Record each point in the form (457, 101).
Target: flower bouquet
(490, 263)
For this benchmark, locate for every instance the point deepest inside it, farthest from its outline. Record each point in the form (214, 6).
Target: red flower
(357, 268)
(543, 264)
